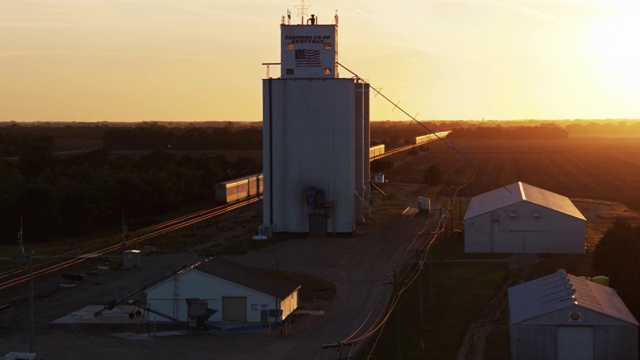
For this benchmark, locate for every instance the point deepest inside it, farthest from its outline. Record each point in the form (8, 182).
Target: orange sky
(191, 60)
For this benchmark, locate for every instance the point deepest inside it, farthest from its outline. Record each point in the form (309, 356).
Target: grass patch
(454, 250)
(235, 246)
(497, 344)
(239, 245)
(460, 291)
(7, 265)
(577, 265)
(399, 197)
(312, 288)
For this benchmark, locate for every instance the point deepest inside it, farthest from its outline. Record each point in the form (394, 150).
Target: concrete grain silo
(315, 137)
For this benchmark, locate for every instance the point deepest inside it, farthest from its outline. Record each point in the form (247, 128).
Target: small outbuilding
(236, 293)
(561, 316)
(521, 218)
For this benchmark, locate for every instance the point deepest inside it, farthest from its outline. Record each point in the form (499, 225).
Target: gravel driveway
(357, 264)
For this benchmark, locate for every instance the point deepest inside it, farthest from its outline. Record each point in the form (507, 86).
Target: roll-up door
(575, 343)
(234, 309)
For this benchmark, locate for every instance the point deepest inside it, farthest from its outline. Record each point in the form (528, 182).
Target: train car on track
(239, 189)
(376, 150)
(431, 137)
(424, 138)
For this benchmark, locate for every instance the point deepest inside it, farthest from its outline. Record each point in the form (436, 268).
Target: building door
(575, 343)
(234, 309)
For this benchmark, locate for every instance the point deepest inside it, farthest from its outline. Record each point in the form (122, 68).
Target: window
(536, 214)
(326, 71)
(289, 71)
(289, 46)
(326, 46)
(512, 214)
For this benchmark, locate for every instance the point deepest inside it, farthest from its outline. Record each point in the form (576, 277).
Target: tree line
(543, 131)
(16, 138)
(605, 128)
(183, 138)
(617, 256)
(72, 194)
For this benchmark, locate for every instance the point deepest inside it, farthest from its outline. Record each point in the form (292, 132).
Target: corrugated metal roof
(516, 192)
(251, 278)
(561, 290)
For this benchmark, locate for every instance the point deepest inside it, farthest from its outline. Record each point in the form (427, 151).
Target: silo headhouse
(315, 137)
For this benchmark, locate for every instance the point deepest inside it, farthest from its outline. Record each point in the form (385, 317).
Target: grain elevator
(315, 136)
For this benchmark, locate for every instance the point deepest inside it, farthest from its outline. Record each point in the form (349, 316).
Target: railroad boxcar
(376, 150)
(422, 139)
(239, 189)
(255, 185)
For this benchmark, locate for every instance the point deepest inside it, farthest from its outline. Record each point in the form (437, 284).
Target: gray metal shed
(521, 218)
(561, 316)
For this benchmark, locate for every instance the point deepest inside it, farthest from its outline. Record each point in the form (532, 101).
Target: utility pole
(452, 204)
(123, 236)
(430, 278)
(20, 243)
(29, 258)
(420, 266)
(398, 316)
(30, 300)
(460, 207)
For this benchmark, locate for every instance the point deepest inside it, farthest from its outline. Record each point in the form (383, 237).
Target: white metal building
(561, 316)
(237, 293)
(315, 137)
(520, 218)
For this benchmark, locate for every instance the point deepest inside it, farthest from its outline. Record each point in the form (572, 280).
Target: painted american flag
(307, 58)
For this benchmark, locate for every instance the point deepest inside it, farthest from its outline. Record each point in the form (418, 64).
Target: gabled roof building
(235, 292)
(561, 316)
(521, 218)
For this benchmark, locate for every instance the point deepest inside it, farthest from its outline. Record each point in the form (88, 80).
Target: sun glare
(613, 42)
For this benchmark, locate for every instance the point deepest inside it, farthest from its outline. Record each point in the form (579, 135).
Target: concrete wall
(309, 141)
(524, 228)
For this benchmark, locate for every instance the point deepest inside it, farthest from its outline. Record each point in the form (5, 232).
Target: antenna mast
(302, 10)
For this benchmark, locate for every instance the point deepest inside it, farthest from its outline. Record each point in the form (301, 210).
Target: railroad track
(95, 249)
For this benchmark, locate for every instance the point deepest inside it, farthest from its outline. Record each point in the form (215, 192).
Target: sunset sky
(192, 60)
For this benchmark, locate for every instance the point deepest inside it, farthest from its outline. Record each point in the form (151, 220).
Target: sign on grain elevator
(309, 50)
